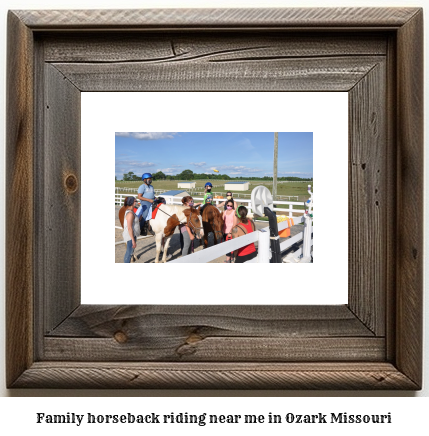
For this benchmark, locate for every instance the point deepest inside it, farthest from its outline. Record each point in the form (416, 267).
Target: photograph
(179, 193)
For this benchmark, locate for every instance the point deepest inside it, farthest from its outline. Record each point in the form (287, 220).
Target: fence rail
(262, 237)
(194, 191)
(290, 209)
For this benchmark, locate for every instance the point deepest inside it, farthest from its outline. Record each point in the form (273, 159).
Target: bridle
(193, 225)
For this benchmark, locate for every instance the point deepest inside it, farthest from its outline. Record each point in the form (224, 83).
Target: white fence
(290, 210)
(261, 236)
(194, 191)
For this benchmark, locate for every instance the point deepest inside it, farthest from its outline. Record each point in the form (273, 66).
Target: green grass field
(291, 188)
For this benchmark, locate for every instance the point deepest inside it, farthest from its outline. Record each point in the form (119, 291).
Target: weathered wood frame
(374, 342)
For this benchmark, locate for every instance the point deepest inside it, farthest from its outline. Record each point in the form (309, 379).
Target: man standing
(146, 195)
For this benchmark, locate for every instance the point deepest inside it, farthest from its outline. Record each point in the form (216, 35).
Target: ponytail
(242, 214)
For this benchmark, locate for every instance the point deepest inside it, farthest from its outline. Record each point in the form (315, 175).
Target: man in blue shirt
(146, 195)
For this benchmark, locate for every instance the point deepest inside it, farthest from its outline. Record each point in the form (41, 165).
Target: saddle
(155, 205)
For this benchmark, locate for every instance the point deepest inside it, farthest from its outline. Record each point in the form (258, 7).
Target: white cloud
(147, 136)
(134, 164)
(197, 164)
(168, 171)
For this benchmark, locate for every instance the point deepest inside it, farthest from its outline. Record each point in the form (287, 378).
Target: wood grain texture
(19, 200)
(391, 194)
(213, 333)
(179, 347)
(215, 376)
(409, 254)
(99, 321)
(374, 343)
(197, 18)
(367, 199)
(202, 46)
(62, 217)
(295, 74)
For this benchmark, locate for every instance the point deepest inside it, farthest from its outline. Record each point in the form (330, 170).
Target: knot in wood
(71, 183)
(120, 337)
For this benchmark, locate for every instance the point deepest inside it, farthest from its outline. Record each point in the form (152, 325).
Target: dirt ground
(146, 250)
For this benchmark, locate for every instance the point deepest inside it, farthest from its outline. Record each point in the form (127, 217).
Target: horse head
(193, 221)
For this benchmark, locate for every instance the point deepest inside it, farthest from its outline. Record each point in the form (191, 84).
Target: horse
(167, 218)
(212, 222)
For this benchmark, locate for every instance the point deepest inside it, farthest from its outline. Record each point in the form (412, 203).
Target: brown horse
(212, 222)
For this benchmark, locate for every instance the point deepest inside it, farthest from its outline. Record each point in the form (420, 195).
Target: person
(187, 235)
(207, 191)
(244, 227)
(230, 220)
(131, 228)
(208, 199)
(146, 195)
(228, 197)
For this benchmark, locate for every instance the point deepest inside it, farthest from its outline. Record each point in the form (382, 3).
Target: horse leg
(158, 239)
(166, 245)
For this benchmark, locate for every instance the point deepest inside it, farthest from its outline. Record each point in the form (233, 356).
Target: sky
(233, 153)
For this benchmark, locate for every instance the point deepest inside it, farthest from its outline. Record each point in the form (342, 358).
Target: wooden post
(276, 143)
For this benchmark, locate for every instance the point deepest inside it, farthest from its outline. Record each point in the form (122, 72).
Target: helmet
(147, 176)
(208, 184)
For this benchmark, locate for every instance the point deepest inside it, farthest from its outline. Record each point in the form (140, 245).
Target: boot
(149, 229)
(143, 230)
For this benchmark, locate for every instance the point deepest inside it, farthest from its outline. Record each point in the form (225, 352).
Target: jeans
(129, 252)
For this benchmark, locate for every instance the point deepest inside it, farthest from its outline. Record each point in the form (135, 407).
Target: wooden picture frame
(373, 342)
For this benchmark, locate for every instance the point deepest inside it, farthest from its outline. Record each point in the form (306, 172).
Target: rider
(207, 191)
(146, 195)
(208, 196)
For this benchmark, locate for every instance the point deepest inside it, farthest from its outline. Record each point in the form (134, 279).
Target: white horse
(167, 218)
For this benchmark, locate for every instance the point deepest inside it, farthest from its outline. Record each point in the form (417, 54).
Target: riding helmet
(208, 184)
(147, 176)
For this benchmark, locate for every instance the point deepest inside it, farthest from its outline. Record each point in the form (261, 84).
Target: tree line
(190, 175)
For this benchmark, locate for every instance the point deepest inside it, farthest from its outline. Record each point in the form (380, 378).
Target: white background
(411, 412)
(323, 113)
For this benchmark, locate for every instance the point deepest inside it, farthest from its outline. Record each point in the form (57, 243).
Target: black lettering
(322, 418)
(337, 418)
(290, 418)
(253, 419)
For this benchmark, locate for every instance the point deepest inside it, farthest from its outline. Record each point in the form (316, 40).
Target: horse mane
(213, 213)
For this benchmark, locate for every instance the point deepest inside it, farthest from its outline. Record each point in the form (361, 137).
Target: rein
(180, 222)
